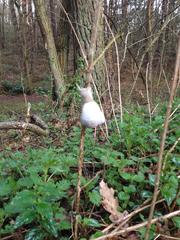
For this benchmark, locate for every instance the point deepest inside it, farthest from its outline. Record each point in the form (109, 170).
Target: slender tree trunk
(15, 23)
(30, 36)
(1, 67)
(26, 57)
(51, 48)
(2, 25)
(162, 41)
(124, 8)
(150, 4)
(124, 15)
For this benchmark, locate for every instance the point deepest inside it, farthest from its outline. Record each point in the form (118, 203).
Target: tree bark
(51, 49)
(26, 52)
(2, 33)
(66, 44)
(84, 12)
(150, 4)
(53, 17)
(125, 15)
(14, 21)
(30, 36)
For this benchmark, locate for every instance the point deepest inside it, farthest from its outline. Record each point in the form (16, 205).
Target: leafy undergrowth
(38, 185)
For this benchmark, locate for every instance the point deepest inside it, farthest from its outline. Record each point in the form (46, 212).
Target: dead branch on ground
(140, 225)
(23, 126)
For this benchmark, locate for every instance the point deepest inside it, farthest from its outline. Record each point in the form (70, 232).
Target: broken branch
(23, 126)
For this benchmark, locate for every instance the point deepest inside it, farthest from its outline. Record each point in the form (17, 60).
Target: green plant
(42, 91)
(37, 187)
(12, 88)
(33, 186)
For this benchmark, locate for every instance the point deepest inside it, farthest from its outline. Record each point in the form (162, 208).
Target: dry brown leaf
(110, 203)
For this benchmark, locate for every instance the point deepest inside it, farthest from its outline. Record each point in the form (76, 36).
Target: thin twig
(111, 100)
(129, 216)
(169, 19)
(161, 152)
(147, 92)
(98, 173)
(140, 225)
(168, 237)
(80, 167)
(14, 235)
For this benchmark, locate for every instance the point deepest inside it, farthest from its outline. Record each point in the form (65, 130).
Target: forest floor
(44, 169)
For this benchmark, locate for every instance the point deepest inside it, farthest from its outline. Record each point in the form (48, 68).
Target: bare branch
(140, 225)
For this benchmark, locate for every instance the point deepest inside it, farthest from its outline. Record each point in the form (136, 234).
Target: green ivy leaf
(95, 197)
(176, 221)
(49, 191)
(63, 185)
(152, 178)
(25, 218)
(91, 222)
(126, 176)
(21, 202)
(50, 226)
(9, 228)
(169, 189)
(129, 189)
(176, 161)
(142, 232)
(5, 188)
(45, 210)
(178, 201)
(25, 182)
(146, 194)
(36, 179)
(64, 225)
(35, 234)
(138, 178)
(123, 196)
(96, 235)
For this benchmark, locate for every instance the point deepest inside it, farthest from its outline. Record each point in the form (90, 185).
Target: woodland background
(146, 33)
(128, 51)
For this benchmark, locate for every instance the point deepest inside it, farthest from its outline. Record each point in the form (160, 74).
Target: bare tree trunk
(150, 4)
(26, 58)
(51, 48)
(14, 21)
(162, 41)
(65, 44)
(125, 15)
(1, 67)
(2, 26)
(124, 8)
(84, 16)
(30, 36)
(53, 17)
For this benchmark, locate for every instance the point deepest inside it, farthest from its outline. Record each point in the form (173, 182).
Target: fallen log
(23, 126)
